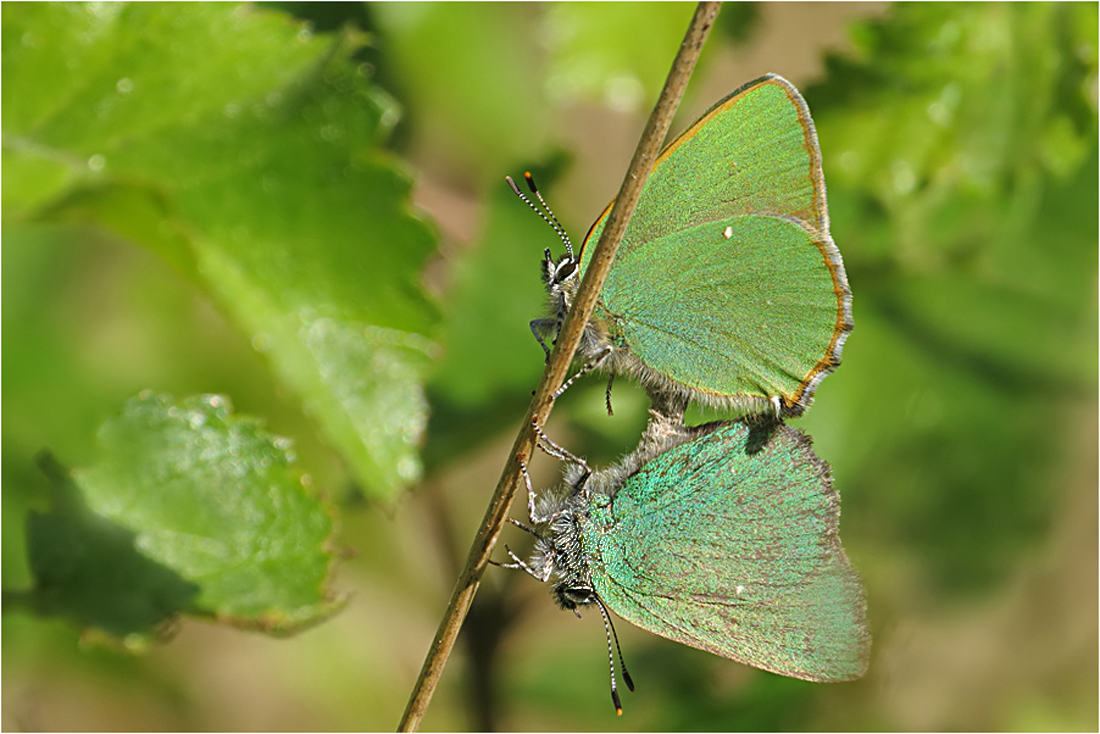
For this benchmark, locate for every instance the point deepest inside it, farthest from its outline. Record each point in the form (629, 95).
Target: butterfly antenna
(609, 630)
(556, 224)
(622, 663)
(551, 220)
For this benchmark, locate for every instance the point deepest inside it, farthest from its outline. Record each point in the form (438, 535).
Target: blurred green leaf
(90, 569)
(239, 147)
(442, 54)
(189, 510)
(618, 53)
(496, 291)
(960, 151)
(738, 21)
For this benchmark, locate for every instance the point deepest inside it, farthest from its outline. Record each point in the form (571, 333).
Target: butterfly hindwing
(733, 547)
(741, 306)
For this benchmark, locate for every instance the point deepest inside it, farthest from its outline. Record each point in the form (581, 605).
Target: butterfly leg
(521, 526)
(607, 396)
(558, 452)
(670, 405)
(588, 367)
(532, 514)
(538, 327)
(517, 563)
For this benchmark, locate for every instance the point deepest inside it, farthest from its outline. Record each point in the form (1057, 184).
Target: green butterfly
(727, 287)
(724, 537)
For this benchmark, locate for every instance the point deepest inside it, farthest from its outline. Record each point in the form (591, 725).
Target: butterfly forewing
(755, 151)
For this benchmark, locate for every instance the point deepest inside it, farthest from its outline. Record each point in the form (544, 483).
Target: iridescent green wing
(727, 280)
(733, 548)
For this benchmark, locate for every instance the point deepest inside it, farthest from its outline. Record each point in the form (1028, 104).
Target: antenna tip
(617, 702)
(530, 182)
(515, 189)
(628, 681)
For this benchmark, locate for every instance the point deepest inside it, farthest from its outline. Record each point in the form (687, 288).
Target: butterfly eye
(565, 271)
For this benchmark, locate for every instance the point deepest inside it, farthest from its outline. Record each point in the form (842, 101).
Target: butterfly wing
(732, 547)
(742, 306)
(748, 172)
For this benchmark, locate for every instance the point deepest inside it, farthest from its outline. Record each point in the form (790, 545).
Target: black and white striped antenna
(609, 629)
(545, 212)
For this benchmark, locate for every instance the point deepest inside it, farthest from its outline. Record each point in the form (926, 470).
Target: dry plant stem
(568, 339)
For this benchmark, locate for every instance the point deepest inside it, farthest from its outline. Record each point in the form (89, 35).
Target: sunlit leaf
(617, 53)
(241, 148)
(189, 509)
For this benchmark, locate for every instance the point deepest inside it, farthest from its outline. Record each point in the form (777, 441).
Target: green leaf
(496, 291)
(243, 149)
(465, 126)
(615, 52)
(960, 150)
(189, 510)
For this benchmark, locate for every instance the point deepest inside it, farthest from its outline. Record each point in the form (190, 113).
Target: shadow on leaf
(90, 569)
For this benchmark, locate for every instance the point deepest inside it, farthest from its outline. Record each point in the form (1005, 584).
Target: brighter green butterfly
(724, 537)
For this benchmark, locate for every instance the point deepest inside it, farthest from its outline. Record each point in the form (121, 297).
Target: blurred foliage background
(301, 207)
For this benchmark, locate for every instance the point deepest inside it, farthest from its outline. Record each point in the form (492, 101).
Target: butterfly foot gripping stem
(540, 326)
(532, 513)
(558, 452)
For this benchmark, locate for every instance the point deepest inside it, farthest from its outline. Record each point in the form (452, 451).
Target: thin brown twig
(568, 339)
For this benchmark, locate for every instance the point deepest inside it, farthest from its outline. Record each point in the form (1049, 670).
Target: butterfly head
(571, 598)
(563, 270)
(560, 558)
(560, 276)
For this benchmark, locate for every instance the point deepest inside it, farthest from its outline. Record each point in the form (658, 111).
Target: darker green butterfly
(724, 537)
(727, 287)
